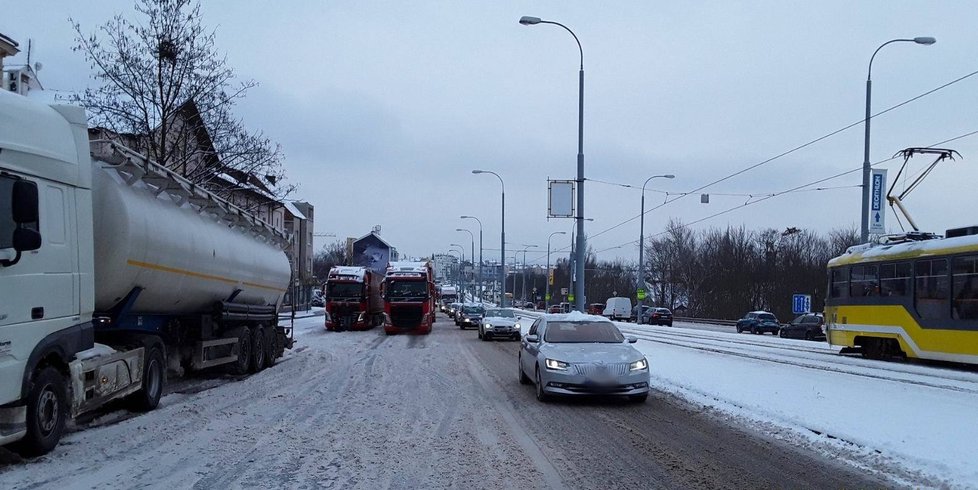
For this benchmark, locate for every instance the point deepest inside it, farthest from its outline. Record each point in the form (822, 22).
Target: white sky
(384, 108)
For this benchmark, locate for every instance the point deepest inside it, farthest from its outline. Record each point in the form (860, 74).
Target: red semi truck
(409, 297)
(353, 300)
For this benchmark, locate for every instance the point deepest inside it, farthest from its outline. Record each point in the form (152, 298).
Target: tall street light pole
(472, 250)
(461, 272)
(523, 293)
(641, 242)
(867, 168)
(581, 244)
(481, 279)
(546, 297)
(502, 240)
(453, 251)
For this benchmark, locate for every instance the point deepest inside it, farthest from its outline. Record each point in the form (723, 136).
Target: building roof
(293, 210)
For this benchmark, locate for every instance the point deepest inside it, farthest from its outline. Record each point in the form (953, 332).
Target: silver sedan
(499, 322)
(578, 354)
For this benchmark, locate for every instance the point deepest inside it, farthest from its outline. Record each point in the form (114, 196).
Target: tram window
(863, 281)
(839, 282)
(932, 289)
(964, 305)
(895, 279)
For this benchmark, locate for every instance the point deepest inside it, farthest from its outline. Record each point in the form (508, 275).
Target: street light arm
(919, 40)
(666, 176)
(579, 48)
(493, 173)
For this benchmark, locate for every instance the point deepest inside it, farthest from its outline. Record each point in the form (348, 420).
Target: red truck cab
(409, 298)
(353, 300)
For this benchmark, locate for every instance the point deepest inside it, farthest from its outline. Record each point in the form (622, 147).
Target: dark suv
(659, 316)
(759, 322)
(807, 326)
(469, 316)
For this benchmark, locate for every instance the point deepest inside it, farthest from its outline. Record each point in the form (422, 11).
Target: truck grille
(407, 316)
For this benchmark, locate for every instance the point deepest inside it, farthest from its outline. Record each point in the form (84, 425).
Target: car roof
(574, 316)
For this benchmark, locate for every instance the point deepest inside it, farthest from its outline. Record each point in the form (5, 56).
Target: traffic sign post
(640, 294)
(877, 214)
(801, 303)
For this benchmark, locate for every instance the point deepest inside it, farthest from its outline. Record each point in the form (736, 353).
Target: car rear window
(583, 332)
(767, 316)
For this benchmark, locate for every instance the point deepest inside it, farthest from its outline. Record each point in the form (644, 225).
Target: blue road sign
(801, 303)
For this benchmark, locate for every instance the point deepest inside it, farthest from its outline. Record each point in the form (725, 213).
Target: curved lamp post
(472, 250)
(581, 244)
(461, 275)
(502, 239)
(546, 298)
(481, 284)
(641, 236)
(867, 168)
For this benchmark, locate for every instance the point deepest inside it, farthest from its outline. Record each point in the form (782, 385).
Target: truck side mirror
(26, 239)
(24, 205)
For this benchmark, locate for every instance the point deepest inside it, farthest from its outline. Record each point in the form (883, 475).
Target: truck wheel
(271, 349)
(154, 377)
(259, 351)
(244, 351)
(47, 411)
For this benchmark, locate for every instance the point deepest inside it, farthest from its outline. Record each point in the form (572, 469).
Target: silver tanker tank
(184, 259)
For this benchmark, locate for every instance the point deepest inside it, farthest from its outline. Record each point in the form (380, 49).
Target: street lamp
(451, 252)
(523, 273)
(502, 239)
(546, 297)
(472, 236)
(581, 246)
(461, 273)
(641, 241)
(481, 285)
(867, 168)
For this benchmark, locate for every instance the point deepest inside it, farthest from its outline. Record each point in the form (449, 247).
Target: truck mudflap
(102, 374)
(13, 423)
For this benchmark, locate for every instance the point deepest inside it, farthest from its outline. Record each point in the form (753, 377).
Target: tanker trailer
(115, 271)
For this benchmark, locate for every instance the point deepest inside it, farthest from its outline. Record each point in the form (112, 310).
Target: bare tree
(331, 255)
(165, 90)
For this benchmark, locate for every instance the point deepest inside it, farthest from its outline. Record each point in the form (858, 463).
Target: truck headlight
(557, 365)
(639, 365)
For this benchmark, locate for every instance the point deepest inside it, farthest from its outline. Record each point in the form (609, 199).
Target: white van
(618, 308)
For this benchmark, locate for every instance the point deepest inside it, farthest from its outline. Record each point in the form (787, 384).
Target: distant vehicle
(643, 318)
(807, 326)
(446, 296)
(758, 322)
(529, 305)
(317, 298)
(469, 316)
(618, 308)
(353, 300)
(555, 309)
(595, 309)
(499, 322)
(659, 316)
(566, 307)
(577, 354)
(453, 308)
(409, 297)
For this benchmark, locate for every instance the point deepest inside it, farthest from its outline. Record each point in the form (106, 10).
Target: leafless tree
(331, 255)
(165, 90)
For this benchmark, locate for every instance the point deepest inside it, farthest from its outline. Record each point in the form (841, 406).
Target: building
(373, 252)
(17, 78)
(299, 220)
(445, 267)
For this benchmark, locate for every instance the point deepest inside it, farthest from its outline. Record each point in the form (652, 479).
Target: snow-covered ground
(911, 422)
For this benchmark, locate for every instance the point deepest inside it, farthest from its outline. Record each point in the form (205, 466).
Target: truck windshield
(407, 289)
(343, 289)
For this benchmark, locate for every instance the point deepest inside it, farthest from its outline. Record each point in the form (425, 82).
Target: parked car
(555, 309)
(317, 298)
(618, 308)
(759, 322)
(529, 305)
(807, 326)
(499, 322)
(469, 315)
(595, 309)
(576, 354)
(659, 316)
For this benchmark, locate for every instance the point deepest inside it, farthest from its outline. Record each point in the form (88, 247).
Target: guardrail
(712, 321)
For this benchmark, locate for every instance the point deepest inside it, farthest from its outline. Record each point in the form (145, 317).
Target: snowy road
(359, 409)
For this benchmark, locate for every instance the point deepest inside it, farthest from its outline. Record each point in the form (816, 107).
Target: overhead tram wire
(787, 152)
(800, 188)
(780, 155)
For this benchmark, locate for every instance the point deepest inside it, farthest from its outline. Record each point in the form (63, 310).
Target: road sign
(563, 291)
(548, 296)
(550, 277)
(801, 303)
(570, 298)
(877, 213)
(561, 199)
(640, 294)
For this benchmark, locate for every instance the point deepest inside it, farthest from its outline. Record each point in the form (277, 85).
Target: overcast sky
(384, 108)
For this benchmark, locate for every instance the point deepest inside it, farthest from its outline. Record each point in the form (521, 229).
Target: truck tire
(259, 349)
(154, 378)
(244, 351)
(271, 346)
(47, 412)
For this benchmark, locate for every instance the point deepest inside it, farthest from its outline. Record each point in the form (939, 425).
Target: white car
(500, 323)
(618, 308)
